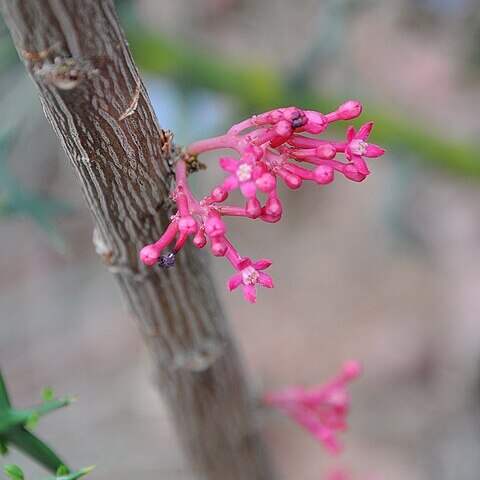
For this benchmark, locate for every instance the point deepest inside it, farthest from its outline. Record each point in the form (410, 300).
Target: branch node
(202, 357)
(64, 73)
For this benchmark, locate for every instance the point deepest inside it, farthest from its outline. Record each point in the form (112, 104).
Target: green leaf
(14, 472)
(47, 394)
(35, 448)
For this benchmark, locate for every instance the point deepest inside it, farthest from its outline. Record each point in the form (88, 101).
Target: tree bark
(91, 92)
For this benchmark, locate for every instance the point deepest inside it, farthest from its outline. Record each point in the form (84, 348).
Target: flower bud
(351, 369)
(187, 225)
(273, 207)
(218, 247)
(326, 151)
(349, 110)
(149, 255)
(323, 174)
(266, 182)
(253, 208)
(214, 227)
(269, 218)
(199, 240)
(284, 128)
(352, 173)
(292, 181)
(219, 194)
(317, 122)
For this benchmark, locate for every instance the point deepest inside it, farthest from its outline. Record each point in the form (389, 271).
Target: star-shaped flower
(247, 175)
(322, 409)
(249, 274)
(357, 147)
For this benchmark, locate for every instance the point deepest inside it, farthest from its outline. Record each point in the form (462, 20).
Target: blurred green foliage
(15, 200)
(261, 89)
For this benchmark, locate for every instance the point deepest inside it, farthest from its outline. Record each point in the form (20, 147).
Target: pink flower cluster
(322, 410)
(270, 147)
(342, 474)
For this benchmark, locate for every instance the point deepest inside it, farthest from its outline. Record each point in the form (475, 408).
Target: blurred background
(386, 271)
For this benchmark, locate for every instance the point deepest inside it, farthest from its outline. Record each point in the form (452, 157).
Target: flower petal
(364, 131)
(265, 280)
(374, 151)
(229, 164)
(360, 164)
(230, 183)
(234, 282)
(248, 189)
(250, 293)
(350, 133)
(244, 262)
(262, 264)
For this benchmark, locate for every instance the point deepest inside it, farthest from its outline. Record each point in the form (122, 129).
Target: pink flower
(270, 146)
(247, 175)
(249, 275)
(322, 410)
(343, 474)
(357, 147)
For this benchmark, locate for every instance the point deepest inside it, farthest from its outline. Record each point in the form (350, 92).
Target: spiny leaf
(14, 472)
(35, 448)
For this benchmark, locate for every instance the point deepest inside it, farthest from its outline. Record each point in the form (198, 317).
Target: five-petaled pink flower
(357, 147)
(323, 409)
(249, 274)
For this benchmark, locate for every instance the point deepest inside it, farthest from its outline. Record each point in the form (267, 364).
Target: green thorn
(81, 473)
(47, 394)
(62, 470)
(32, 421)
(74, 475)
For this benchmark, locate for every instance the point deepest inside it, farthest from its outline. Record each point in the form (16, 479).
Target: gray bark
(91, 92)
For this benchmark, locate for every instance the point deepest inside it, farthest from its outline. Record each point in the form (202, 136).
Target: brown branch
(89, 86)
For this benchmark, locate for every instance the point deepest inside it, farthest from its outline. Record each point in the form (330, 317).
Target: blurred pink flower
(323, 409)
